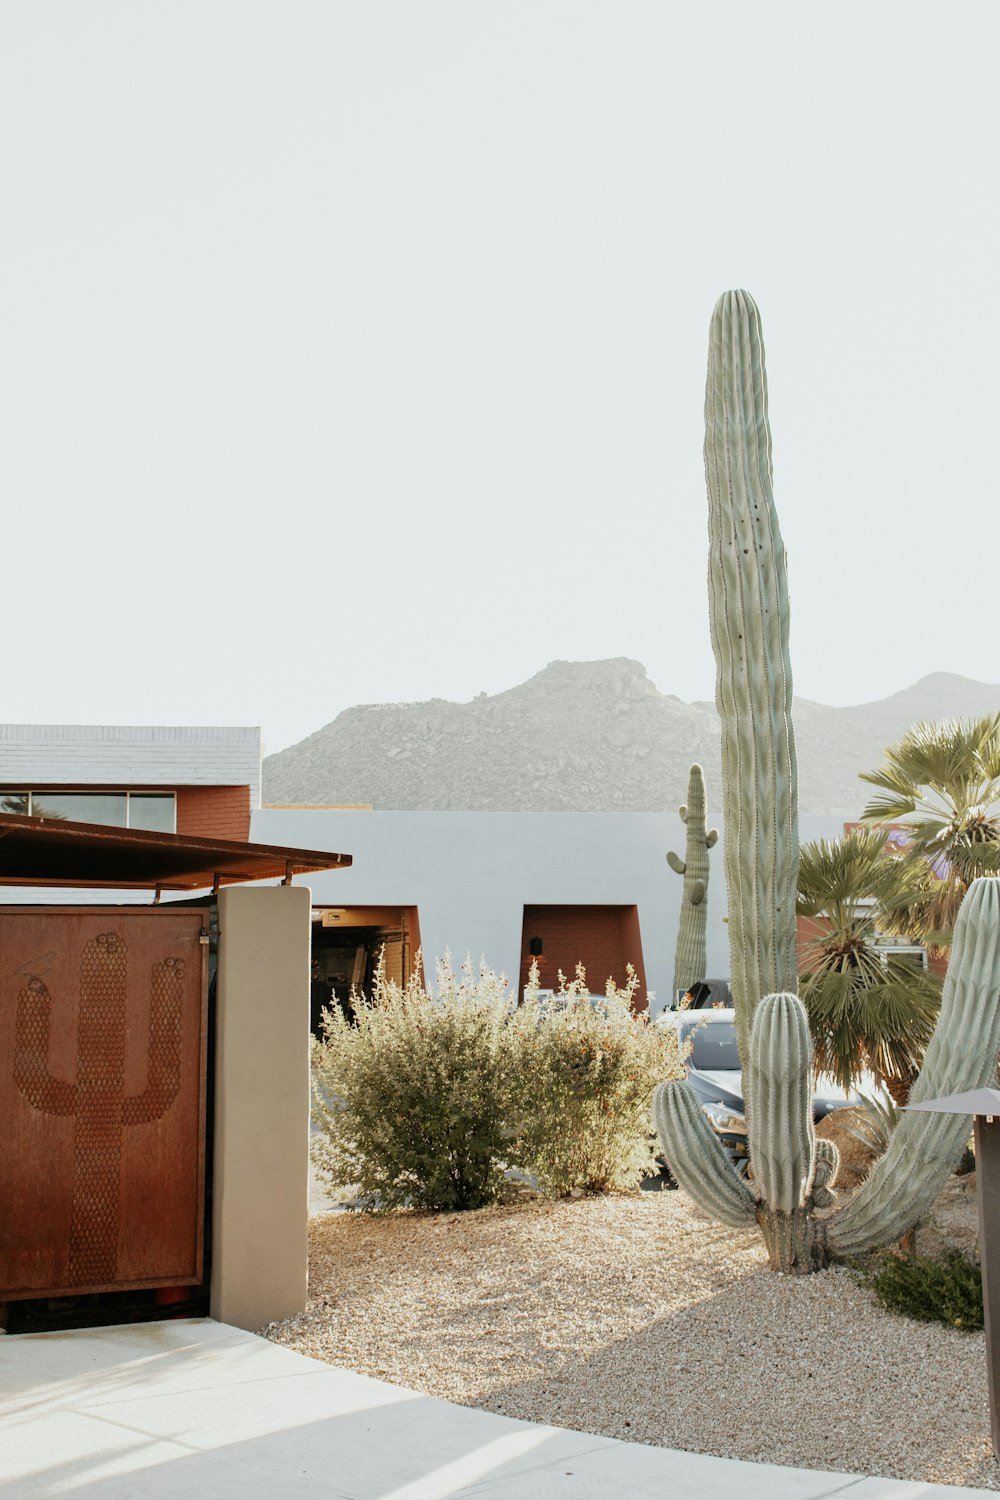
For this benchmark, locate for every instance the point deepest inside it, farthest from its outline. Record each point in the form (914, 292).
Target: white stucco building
(583, 887)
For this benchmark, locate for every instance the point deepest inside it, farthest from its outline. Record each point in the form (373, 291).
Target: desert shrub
(412, 1097)
(945, 1291)
(587, 1071)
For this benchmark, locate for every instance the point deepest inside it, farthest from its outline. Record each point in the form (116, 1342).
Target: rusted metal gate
(103, 1019)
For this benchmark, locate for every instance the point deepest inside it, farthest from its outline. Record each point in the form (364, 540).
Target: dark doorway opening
(347, 944)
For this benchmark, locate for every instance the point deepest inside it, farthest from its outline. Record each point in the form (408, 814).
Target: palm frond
(874, 1129)
(844, 873)
(942, 782)
(867, 1009)
(941, 760)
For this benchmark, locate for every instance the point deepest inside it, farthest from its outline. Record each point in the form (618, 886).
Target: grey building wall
(471, 874)
(131, 755)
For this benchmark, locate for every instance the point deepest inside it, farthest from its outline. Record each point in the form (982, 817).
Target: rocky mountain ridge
(587, 737)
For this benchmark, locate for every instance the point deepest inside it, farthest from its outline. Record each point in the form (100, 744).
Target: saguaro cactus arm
(962, 1054)
(780, 1124)
(748, 604)
(697, 1157)
(826, 1161)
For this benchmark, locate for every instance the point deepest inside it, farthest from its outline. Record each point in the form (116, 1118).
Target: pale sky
(354, 350)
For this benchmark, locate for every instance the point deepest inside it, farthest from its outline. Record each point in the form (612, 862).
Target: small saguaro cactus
(690, 961)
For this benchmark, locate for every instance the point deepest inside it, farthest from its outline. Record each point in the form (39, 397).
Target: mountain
(587, 737)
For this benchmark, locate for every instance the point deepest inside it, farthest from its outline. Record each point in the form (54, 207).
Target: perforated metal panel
(102, 1099)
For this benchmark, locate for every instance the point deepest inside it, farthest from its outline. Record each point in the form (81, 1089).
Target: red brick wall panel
(603, 938)
(807, 929)
(631, 941)
(214, 812)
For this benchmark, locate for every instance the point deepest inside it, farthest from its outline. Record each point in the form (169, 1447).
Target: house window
(154, 811)
(110, 808)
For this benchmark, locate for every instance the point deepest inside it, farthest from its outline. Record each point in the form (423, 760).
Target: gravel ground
(635, 1318)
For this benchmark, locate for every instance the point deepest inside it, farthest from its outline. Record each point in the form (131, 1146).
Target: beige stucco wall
(260, 1204)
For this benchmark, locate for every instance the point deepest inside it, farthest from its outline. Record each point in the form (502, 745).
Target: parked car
(705, 994)
(713, 1071)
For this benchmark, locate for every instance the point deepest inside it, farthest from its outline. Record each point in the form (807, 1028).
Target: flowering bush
(586, 1073)
(426, 1101)
(413, 1097)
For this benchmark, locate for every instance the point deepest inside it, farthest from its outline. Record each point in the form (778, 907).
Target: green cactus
(826, 1164)
(924, 1148)
(690, 960)
(748, 607)
(780, 1131)
(697, 1157)
(793, 1171)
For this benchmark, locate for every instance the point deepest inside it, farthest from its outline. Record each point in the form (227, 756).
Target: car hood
(725, 1086)
(718, 1086)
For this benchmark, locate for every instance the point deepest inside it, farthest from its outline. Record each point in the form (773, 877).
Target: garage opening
(605, 939)
(346, 944)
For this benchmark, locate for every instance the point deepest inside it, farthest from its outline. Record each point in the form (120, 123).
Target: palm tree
(869, 1009)
(942, 781)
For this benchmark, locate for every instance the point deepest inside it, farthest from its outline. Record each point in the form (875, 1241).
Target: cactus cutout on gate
(690, 961)
(97, 1100)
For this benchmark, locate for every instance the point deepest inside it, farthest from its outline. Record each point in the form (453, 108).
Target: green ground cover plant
(949, 1290)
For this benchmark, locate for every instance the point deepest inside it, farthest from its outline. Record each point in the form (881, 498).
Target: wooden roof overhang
(55, 852)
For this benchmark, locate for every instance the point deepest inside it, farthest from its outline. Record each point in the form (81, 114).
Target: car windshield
(714, 1046)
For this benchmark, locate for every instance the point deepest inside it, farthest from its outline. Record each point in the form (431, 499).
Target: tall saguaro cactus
(748, 610)
(690, 961)
(793, 1172)
(97, 1100)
